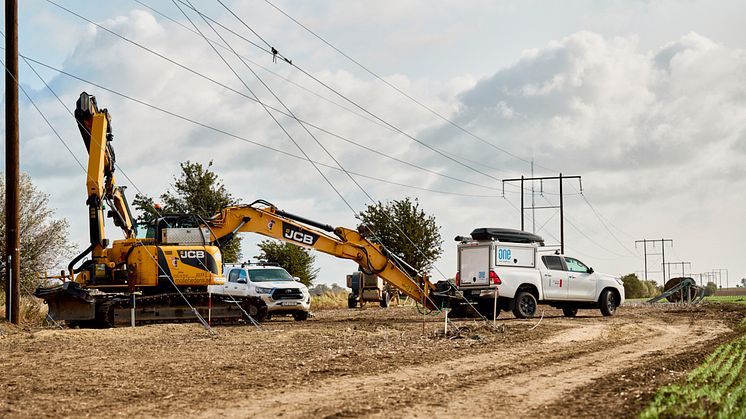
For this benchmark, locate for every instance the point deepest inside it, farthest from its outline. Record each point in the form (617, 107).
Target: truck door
(474, 266)
(582, 284)
(234, 285)
(553, 277)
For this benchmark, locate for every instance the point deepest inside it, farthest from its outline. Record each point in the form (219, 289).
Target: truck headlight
(261, 290)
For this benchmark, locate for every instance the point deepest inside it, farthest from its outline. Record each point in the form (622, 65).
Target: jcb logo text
(192, 254)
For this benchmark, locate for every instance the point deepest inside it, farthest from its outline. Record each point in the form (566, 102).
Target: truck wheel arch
(531, 289)
(612, 289)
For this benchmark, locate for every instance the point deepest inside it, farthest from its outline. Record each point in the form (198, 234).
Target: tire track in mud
(516, 379)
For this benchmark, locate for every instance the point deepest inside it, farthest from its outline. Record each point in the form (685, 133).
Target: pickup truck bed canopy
(506, 235)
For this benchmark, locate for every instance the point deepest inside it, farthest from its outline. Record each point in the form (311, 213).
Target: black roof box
(506, 235)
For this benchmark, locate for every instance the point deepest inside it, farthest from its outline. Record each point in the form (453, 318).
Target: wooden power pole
(12, 173)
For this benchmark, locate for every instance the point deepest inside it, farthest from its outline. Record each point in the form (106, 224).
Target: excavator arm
(269, 221)
(95, 128)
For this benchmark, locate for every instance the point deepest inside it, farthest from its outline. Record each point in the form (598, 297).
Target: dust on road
(368, 362)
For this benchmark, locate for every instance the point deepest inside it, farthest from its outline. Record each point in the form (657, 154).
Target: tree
(44, 238)
(651, 289)
(633, 287)
(198, 190)
(295, 259)
(710, 288)
(406, 230)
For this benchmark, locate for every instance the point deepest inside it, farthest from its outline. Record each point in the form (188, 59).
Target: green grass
(738, 299)
(717, 388)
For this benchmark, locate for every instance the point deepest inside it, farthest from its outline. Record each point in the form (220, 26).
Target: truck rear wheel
(525, 305)
(608, 302)
(385, 299)
(302, 316)
(351, 301)
(486, 307)
(570, 311)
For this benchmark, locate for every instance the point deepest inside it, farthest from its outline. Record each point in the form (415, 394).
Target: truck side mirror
(296, 278)
(241, 280)
(590, 270)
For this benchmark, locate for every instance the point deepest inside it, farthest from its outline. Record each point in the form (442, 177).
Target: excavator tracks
(172, 308)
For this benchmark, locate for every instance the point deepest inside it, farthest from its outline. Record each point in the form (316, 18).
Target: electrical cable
(323, 147)
(273, 73)
(279, 124)
(606, 227)
(238, 137)
(355, 104)
(387, 125)
(572, 224)
(449, 121)
(201, 75)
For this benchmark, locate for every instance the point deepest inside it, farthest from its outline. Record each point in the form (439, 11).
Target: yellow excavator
(163, 276)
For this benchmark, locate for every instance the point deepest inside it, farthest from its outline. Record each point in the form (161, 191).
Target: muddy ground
(370, 362)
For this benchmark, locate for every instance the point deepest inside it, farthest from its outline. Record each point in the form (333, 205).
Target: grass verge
(716, 389)
(738, 299)
(329, 300)
(32, 311)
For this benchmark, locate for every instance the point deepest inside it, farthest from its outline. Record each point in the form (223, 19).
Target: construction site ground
(364, 362)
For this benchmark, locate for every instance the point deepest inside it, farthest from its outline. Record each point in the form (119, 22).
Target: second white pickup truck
(279, 292)
(523, 272)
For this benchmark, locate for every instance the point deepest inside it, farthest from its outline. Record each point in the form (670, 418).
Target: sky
(646, 101)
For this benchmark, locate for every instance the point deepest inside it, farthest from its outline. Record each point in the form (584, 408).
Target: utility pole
(720, 273)
(683, 272)
(700, 278)
(533, 202)
(533, 207)
(663, 253)
(12, 174)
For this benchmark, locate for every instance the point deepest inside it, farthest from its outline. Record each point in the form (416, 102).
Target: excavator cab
(178, 229)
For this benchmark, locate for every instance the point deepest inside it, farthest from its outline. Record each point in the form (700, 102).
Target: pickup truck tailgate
(474, 265)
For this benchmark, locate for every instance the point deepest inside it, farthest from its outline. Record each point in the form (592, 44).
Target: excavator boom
(269, 221)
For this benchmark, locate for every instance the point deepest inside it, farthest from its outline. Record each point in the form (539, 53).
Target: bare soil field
(369, 362)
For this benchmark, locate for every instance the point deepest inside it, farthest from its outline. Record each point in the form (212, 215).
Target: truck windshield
(264, 275)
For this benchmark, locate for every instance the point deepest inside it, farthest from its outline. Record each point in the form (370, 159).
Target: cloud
(636, 123)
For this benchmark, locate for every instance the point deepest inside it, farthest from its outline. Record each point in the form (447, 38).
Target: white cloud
(657, 134)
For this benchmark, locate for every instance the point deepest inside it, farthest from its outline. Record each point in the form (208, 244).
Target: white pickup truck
(279, 291)
(523, 272)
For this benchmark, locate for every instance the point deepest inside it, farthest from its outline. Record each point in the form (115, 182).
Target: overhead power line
(365, 110)
(307, 131)
(212, 80)
(391, 85)
(239, 137)
(337, 104)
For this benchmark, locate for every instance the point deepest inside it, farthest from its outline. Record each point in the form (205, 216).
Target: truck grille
(287, 294)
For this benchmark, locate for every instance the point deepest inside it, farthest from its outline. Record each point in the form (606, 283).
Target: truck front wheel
(385, 299)
(608, 302)
(256, 309)
(525, 305)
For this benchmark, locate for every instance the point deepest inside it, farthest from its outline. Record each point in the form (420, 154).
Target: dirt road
(363, 363)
